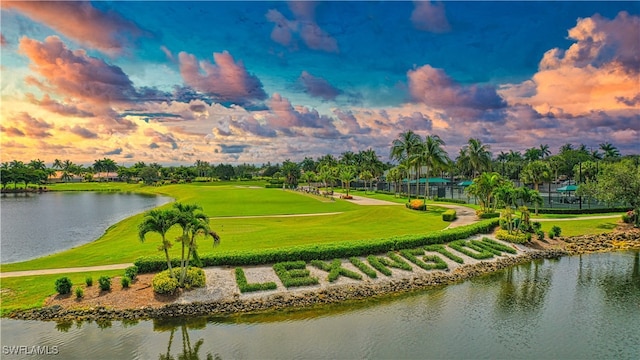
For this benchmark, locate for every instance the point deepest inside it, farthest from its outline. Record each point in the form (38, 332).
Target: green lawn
(582, 227)
(120, 243)
(29, 292)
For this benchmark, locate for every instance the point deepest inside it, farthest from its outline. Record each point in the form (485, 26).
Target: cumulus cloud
(350, 124)
(435, 88)
(427, 16)
(110, 33)
(83, 132)
(304, 25)
(159, 137)
(416, 121)
(318, 87)
(284, 116)
(226, 80)
(54, 106)
(33, 127)
(74, 73)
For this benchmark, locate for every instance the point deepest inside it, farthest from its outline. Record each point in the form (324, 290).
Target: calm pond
(585, 307)
(34, 225)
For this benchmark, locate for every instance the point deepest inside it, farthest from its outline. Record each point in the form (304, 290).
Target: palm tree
(159, 221)
(502, 158)
(479, 156)
(291, 172)
(403, 148)
(544, 150)
(610, 151)
(530, 196)
(308, 176)
(536, 172)
(326, 174)
(57, 164)
(366, 175)
(191, 223)
(483, 187)
(432, 155)
(346, 173)
(533, 154)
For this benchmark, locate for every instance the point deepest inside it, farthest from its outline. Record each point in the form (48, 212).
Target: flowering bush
(347, 197)
(417, 204)
(629, 217)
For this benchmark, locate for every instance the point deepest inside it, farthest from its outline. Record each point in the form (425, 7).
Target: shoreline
(221, 297)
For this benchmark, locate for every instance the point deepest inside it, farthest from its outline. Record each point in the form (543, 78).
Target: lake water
(585, 307)
(33, 225)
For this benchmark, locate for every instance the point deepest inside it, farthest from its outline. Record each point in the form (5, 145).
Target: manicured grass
(570, 216)
(582, 227)
(120, 243)
(22, 293)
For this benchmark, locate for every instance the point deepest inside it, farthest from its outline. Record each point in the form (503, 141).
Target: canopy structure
(465, 183)
(567, 188)
(432, 181)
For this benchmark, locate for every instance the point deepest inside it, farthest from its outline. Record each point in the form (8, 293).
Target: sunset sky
(176, 82)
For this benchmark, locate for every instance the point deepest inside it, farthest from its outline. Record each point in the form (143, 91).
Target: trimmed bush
(416, 204)
(582, 211)
(125, 281)
(556, 230)
(427, 262)
(63, 285)
(470, 249)
(454, 201)
(164, 284)
(440, 249)
(79, 292)
(294, 273)
(516, 238)
(338, 250)
(378, 265)
(194, 278)
(244, 286)
(487, 215)
(88, 281)
(335, 269)
(449, 215)
(363, 267)
(104, 282)
(540, 235)
(498, 246)
(131, 272)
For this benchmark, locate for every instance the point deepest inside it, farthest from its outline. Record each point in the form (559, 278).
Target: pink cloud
(435, 88)
(416, 121)
(600, 41)
(82, 132)
(110, 33)
(74, 73)
(3, 40)
(297, 121)
(49, 104)
(33, 127)
(427, 16)
(318, 87)
(350, 124)
(304, 25)
(226, 80)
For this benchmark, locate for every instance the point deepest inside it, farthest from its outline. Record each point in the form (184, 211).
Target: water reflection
(524, 288)
(189, 351)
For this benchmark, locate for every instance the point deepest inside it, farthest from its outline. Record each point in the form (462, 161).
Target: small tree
(346, 173)
(159, 221)
(63, 285)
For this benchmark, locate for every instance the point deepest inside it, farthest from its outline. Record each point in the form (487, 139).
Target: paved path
(273, 216)
(464, 215)
(361, 200)
(63, 270)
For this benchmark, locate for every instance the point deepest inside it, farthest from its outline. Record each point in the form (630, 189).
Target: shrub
(417, 204)
(125, 281)
(79, 292)
(164, 284)
(540, 235)
(244, 286)
(294, 273)
(346, 197)
(487, 215)
(335, 269)
(131, 272)
(449, 215)
(556, 230)
(466, 248)
(194, 278)
(427, 262)
(104, 282)
(516, 238)
(378, 265)
(440, 249)
(363, 267)
(89, 281)
(454, 201)
(536, 225)
(63, 285)
(498, 246)
(629, 217)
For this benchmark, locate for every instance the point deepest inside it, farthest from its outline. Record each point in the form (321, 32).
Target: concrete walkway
(361, 200)
(63, 270)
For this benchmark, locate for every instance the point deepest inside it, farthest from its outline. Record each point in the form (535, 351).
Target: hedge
(244, 286)
(488, 215)
(449, 215)
(582, 211)
(517, 238)
(454, 201)
(465, 247)
(335, 269)
(294, 273)
(342, 250)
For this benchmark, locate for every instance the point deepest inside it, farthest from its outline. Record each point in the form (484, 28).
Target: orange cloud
(109, 32)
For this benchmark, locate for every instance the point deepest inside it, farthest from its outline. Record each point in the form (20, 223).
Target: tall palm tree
(479, 156)
(432, 155)
(484, 187)
(502, 158)
(191, 222)
(57, 164)
(403, 148)
(544, 150)
(159, 221)
(346, 174)
(532, 154)
(610, 151)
